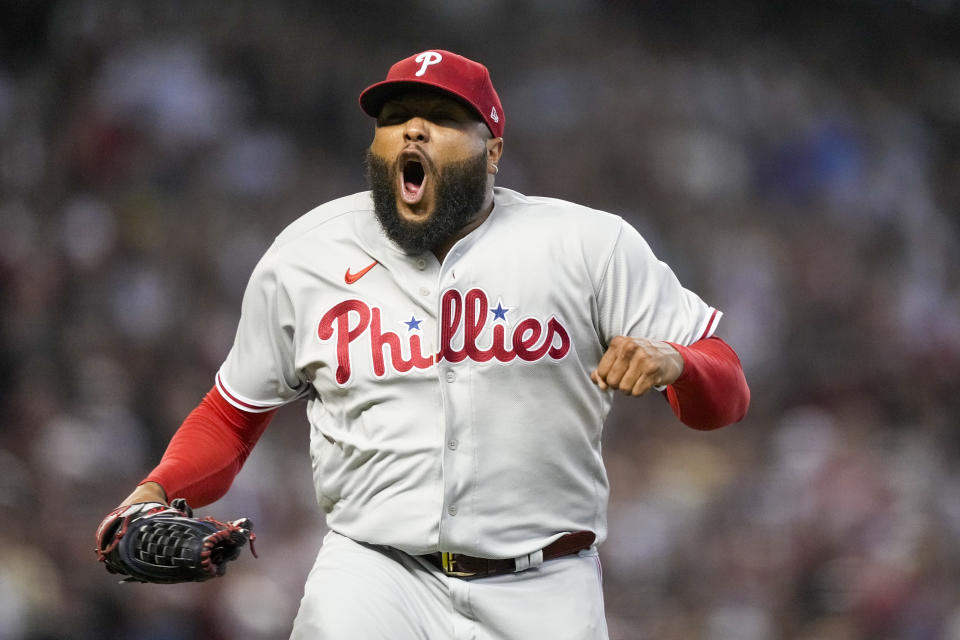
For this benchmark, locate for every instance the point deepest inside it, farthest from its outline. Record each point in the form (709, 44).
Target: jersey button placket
(458, 476)
(452, 444)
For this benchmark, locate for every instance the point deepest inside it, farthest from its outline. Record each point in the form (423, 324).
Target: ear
(494, 152)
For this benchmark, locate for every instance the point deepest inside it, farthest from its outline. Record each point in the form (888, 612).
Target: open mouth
(413, 177)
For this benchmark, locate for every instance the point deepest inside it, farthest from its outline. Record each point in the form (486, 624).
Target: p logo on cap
(459, 77)
(427, 58)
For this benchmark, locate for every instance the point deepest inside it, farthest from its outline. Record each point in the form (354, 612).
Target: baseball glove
(153, 542)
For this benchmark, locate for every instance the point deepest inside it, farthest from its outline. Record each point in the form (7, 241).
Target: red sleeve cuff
(208, 450)
(712, 391)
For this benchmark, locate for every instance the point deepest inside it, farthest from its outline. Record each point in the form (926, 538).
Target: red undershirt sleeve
(712, 391)
(208, 450)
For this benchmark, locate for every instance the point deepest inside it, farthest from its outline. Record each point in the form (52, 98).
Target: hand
(146, 492)
(636, 365)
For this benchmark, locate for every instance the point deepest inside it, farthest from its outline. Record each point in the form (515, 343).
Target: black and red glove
(154, 542)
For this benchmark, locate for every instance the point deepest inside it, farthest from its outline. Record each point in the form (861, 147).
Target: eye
(390, 118)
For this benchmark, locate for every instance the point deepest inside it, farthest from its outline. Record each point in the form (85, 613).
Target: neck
(442, 249)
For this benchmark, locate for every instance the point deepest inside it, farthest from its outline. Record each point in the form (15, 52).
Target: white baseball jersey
(450, 404)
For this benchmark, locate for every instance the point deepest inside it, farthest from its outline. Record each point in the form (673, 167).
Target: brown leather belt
(464, 566)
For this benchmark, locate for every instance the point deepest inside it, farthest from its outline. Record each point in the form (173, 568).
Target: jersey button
(451, 376)
(421, 264)
(424, 291)
(452, 509)
(452, 445)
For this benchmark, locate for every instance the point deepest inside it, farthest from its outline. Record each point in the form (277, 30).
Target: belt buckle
(449, 562)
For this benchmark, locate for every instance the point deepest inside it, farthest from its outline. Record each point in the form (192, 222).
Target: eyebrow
(426, 101)
(418, 106)
(452, 111)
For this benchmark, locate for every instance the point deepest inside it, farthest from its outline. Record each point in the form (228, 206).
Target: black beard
(461, 188)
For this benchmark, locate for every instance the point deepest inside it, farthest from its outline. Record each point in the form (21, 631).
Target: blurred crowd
(798, 166)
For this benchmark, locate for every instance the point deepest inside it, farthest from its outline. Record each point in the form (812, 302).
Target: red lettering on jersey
(525, 336)
(554, 328)
(474, 317)
(473, 309)
(379, 339)
(345, 335)
(531, 339)
(499, 348)
(451, 310)
(417, 358)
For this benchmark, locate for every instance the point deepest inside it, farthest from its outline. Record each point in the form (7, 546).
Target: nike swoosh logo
(350, 278)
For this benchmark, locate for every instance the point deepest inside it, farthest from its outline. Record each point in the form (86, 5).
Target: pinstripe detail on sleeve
(240, 402)
(710, 324)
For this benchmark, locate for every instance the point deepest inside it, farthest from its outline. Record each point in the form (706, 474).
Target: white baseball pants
(361, 592)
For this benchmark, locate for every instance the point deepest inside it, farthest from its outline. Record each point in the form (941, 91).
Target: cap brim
(373, 97)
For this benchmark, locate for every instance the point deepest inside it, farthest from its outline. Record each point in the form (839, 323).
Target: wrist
(674, 355)
(146, 492)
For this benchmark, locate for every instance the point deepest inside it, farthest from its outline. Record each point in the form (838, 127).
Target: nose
(415, 130)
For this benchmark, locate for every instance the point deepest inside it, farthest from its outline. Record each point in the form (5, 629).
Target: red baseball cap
(447, 72)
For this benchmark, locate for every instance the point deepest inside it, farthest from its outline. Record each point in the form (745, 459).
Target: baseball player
(458, 345)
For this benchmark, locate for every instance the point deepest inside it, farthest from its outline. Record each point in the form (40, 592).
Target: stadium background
(798, 164)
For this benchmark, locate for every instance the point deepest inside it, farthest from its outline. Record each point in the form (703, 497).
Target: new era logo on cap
(443, 71)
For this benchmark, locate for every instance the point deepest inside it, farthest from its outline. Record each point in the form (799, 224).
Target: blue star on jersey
(413, 323)
(499, 313)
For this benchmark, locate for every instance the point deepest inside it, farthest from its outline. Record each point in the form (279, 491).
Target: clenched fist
(636, 365)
